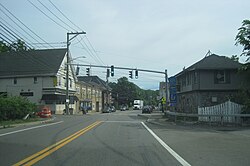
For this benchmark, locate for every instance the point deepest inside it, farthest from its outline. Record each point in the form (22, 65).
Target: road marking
(171, 151)
(49, 150)
(35, 127)
(117, 121)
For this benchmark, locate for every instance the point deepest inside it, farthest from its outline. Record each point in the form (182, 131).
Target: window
(59, 81)
(70, 83)
(35, 80)
(15, 80)
(221, 77)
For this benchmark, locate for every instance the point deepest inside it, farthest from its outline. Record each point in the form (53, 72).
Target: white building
(39, 75)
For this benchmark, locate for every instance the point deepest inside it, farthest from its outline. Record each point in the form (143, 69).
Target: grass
(11, 123)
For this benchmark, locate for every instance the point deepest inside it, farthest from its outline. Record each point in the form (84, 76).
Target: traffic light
(131, 74)
(88, 71)
(112, 71)
(77, 70)
(108, 73)
(136, 74)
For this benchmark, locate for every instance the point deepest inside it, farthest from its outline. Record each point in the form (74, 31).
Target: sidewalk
(159, 118)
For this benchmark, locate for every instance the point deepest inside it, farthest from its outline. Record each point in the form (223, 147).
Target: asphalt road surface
(120, 138)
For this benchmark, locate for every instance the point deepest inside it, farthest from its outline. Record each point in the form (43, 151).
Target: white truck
(138, 104)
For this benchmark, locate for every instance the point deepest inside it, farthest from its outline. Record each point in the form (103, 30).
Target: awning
(55, 97)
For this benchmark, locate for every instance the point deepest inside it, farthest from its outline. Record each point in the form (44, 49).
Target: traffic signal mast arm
(123, 68)
(127, 68)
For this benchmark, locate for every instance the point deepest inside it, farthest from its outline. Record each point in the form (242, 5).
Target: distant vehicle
(112, 108)
(138, 104)
(146, 109)
(106, 110)
(123, 108)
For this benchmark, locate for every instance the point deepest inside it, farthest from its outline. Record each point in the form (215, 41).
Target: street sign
(172, 90)
(163, 100)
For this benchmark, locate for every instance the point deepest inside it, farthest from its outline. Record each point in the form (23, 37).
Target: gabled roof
(213, 62)
(94, 80)
(31, 63)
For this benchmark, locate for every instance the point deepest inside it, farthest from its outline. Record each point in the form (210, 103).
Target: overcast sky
(145, 34)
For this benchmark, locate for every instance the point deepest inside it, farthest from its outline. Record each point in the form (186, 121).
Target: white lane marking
(117, 121)
(17, 131)
(171, 151)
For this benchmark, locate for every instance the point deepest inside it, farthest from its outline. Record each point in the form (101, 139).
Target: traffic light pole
(126, 68)
(67, 68)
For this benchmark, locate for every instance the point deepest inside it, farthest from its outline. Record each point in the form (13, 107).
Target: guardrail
(222, 117)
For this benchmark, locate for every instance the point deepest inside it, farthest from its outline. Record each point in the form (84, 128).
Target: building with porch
(38, 75)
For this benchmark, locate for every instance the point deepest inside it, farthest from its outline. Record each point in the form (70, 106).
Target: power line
(88, 50)
(47, 15)
(56, 15)
(64, 15)
(98, 58)
(19, 26)
(94, 51)
(24, 24)
(14, 35)
(11, 29)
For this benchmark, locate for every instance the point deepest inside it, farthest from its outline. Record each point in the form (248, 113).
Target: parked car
(112, 108)
(106, 110)
(146, 109)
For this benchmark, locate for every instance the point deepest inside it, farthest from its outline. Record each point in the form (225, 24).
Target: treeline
(125, 92)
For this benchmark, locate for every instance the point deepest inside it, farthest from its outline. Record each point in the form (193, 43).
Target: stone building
(210, 81)
(93, 93)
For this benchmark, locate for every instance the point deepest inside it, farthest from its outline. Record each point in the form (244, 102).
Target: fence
(225, 112)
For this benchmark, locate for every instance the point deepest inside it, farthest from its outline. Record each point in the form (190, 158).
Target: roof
(94, 80)
(213, 62)
(31, 63)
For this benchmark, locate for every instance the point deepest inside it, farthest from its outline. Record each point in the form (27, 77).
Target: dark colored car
(146, 109)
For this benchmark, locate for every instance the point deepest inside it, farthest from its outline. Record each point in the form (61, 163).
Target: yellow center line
(47, 151)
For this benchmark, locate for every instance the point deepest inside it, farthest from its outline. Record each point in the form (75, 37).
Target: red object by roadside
(45, 113)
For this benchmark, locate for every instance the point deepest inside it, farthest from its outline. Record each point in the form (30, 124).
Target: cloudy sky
(145, 34)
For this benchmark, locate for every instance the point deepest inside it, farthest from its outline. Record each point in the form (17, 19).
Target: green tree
(125, 92)
(18, 45)
(243, 39)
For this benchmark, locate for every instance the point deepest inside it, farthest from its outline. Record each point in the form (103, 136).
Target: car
(123, 108)
(146, 109)
(112, 108)
(106, 110)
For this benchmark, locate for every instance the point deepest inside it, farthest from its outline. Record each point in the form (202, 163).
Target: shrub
(12, 108)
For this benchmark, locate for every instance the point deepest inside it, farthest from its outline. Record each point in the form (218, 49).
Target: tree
(19, 45)
(243, 38)
(125, 92)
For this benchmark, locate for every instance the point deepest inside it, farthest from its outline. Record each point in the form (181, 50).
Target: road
(120, 138)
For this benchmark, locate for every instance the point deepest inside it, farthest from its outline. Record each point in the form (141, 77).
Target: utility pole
(166, 79)
(67, 67)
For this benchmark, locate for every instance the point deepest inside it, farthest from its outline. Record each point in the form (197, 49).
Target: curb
(29, 123)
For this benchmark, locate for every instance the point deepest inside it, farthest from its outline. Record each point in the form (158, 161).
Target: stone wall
(189, 102)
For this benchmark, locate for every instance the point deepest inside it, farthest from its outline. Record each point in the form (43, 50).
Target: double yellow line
(47, 151)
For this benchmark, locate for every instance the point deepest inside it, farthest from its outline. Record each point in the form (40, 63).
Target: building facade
(38, 75)
(211, 81)
(94, 93)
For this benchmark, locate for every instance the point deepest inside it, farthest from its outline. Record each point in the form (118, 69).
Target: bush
(12, 108)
